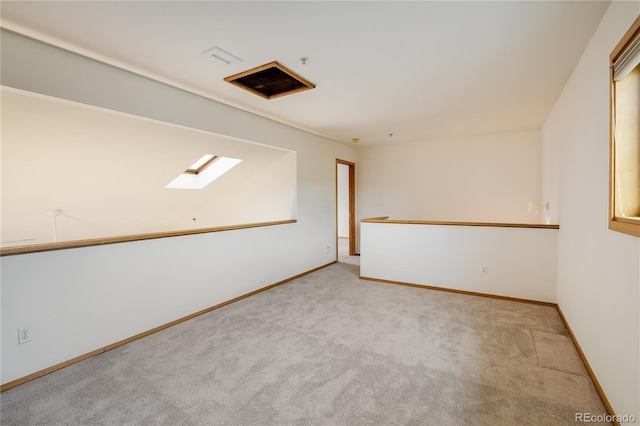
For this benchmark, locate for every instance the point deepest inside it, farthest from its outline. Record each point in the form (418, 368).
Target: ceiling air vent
(270, 81)
(220, 56)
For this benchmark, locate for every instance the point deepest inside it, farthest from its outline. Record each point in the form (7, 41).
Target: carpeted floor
(329, 349)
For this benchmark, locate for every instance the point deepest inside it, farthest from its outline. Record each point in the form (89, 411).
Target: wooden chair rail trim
(37, 374)
(490, 224)
(34, 248)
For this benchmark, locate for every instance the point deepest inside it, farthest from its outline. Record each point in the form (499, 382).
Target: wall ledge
(34, 248)
(449, 223)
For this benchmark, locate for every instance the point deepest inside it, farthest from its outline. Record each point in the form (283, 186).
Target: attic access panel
(270, 81)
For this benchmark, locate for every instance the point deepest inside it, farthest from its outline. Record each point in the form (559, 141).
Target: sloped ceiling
(416, 70)
(107, 173)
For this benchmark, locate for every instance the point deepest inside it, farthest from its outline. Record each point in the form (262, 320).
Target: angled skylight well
(204, 171)
(270, 81)
(204, 162)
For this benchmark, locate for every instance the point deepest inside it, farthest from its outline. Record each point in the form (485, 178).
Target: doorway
(345, 208)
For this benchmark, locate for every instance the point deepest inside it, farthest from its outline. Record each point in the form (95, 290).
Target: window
(624, 200)
(204, 171)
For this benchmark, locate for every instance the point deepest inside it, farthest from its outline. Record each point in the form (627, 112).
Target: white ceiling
(419, 70)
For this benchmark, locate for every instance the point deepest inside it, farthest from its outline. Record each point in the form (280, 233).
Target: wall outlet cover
(24, 335)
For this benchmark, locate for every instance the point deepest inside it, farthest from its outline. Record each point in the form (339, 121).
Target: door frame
(352, 205)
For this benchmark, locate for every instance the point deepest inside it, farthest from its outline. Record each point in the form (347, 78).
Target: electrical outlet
(24, 335)
(484, 270)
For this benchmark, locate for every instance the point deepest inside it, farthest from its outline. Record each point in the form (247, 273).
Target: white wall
(78, 300)
(268, 194)
(485, 179)
(520, 262)
(599, 270)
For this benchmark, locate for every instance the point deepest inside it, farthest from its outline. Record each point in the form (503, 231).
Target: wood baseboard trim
(453, 290)
(592, 375)
(44, 372)
(583, 357)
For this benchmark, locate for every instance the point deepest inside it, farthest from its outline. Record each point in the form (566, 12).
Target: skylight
(204, 171)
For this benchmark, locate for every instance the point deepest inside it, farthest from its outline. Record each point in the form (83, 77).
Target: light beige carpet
(329, 349)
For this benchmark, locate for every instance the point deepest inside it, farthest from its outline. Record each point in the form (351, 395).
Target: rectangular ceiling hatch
(270, 81)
